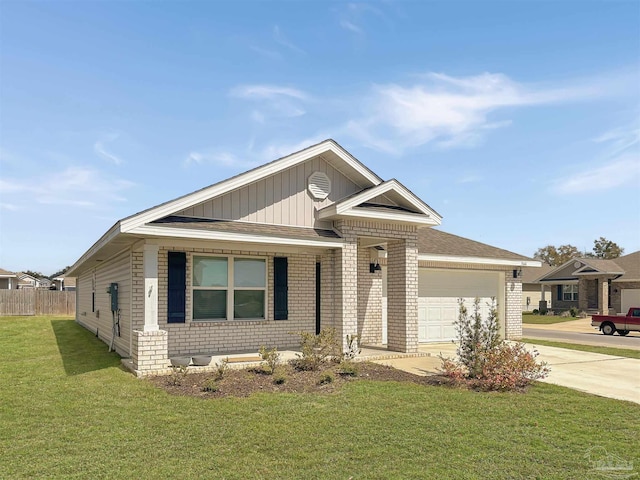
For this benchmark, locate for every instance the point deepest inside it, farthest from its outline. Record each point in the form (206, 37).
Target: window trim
(570, 290)
(230, 288)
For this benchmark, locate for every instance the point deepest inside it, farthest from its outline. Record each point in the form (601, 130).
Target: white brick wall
(513, 309)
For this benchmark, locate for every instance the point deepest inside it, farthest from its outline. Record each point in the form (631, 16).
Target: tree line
(556, 256)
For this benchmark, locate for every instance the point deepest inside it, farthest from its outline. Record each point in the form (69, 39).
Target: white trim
(478, 260)
(231, 288)
(160, 211)
(341, 208)
(232, 237)
(404, 217)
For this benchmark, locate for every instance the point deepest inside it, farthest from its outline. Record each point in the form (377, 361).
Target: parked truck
(609, 324)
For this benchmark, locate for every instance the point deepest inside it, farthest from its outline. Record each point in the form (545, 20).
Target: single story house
(8, 280)
(312, 240)
(595, 285)
(29, 281)
(531, 290)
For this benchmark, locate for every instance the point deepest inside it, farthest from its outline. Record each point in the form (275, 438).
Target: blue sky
(517, 121)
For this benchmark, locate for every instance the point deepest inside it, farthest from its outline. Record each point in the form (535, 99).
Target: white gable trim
(187, 201)
(478, 260)
(157, 231)
(346, 207)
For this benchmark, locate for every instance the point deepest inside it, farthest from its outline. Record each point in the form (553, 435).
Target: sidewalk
(581, 325)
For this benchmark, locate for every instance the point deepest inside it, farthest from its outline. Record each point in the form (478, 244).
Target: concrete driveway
(604, 375)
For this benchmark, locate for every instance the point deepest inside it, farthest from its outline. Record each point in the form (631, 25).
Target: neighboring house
(29, 281)
(532, 291)
(64, 283)
(309, 241)
(595, 285)
(8, 280)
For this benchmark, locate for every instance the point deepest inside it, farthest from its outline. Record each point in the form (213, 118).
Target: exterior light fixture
(374, 267)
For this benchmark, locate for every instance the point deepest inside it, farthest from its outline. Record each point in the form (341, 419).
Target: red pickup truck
(609, 324)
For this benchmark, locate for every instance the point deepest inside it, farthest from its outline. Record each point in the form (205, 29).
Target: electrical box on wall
(113, 291)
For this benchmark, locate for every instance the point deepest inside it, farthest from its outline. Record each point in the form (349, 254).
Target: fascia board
(244, 179)
(102, 241)
(394, 217)
(478, 260)
(155, 231)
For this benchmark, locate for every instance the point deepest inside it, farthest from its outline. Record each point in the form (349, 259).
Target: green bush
(279, 378)
(349, 368)
(221, 368)
(325, 378)
(574, 311)
(178, 374)
(535, 311)
(315, 350)
(270, 357)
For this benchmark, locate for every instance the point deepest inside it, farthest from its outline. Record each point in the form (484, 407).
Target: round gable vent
(319, 185)
(577, 264)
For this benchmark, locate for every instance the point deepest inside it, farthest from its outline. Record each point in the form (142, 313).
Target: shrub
(178, 374)
(535, 311)
(270, 357)
(565, 314)
(210, 385)
(583, 314)
(221, 368)
(574, 311)
(510, 367)
(315, 350)
(279, 378)
(325, 378)
(484, 360)
(353, 347)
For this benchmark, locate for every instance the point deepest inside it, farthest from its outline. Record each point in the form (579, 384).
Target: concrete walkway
(604, 375)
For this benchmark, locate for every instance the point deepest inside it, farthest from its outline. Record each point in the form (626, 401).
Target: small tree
(556, 256)
(476, 337)
(606, 249)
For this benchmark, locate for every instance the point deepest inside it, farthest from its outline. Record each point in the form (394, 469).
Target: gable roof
(437, 245)
(530, 275)
(6, 273)
(411, 208)
(626, 268)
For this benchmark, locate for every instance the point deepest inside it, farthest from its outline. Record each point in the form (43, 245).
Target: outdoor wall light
(517, 273)
(374, 267)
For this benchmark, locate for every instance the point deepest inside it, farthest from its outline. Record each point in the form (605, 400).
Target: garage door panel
(630, 298)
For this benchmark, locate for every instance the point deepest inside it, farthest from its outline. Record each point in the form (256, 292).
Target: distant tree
(556, 256)
(35, 274)
(603, 248)
(60, 272)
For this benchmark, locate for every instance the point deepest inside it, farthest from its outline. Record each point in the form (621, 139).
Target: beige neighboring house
(8, 280)
(594, 285)
(532, 291)
(64, 283)
(29, 281)
(309, 241)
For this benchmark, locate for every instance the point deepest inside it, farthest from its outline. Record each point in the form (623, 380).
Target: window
(227, 288)
(570, 293)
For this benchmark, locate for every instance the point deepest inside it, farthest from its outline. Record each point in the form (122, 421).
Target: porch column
(402, 294)
(542, 291)
(149, 349)
(347, 289)
(603, 295)
(583, 294)
(150, 268)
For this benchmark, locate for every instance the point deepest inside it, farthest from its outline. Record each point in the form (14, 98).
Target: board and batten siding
(281, 199)
(116, 270)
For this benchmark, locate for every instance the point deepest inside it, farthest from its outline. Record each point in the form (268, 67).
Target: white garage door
(438, 294)
(630, 298)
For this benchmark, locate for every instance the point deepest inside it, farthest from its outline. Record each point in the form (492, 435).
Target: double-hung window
(229, 288)
(570, 293)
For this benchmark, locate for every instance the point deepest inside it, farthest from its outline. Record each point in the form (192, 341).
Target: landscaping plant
(270, 357)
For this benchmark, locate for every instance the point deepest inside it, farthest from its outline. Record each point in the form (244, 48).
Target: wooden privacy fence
(37, 302)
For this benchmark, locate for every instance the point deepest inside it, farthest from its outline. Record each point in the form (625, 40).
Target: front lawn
(545, 319)
(70, 411)
(618, 352)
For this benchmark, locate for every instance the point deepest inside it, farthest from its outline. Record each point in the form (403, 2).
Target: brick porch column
(150, 346)
(603, 295)
(402, 294)
(513, 307)
(583, 295)
(346, 289)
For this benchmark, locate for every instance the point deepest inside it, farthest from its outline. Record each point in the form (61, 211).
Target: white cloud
(267, 92)
(77, 186)
(619, 139)
(270, 54)
(8, 206)
(353, 17)
(449, 111)
(221, 159)
(99, 148)
(622, 170)
(275, 101)
(470, 178)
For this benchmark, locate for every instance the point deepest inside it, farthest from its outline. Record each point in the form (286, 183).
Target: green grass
(546, 319)
(619, 352)
(68, 410)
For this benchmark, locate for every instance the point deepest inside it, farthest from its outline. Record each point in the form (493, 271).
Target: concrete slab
(581, 325)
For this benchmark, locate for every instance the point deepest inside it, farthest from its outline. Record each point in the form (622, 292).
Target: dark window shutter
(281, 289)
(177, 286)
(560, 292)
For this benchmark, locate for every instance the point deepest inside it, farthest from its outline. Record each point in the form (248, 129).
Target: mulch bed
(244, 382)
